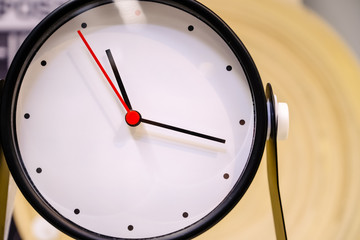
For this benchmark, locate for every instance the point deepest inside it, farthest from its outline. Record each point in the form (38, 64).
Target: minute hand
(143, 120)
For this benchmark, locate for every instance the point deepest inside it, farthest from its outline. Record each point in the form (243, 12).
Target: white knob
(283, 121)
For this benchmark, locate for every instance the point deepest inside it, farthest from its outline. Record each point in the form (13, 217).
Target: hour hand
(118, 78)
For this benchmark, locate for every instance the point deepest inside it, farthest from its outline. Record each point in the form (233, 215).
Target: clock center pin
(133, 118)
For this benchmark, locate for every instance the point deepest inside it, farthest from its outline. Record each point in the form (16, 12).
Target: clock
(133, 119)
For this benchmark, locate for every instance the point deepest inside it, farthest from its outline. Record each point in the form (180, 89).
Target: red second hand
(103, 71)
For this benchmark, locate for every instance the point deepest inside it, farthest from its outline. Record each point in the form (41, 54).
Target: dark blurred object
(17, 19)
(3, 6)
(13, 233)
(30, 8)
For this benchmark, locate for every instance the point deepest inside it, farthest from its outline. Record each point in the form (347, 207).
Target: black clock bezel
(19, 66)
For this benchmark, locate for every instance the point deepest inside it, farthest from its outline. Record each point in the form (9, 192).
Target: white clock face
(119, 181)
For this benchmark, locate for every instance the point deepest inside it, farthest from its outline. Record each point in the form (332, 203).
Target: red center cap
(133, 118)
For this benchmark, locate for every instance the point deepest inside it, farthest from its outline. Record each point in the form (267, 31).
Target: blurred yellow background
(312, 69)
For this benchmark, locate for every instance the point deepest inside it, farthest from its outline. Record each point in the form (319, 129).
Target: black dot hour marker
(77, 211)
(43, 63)
(185, 215)
(27, 116)
(130, 227)
(38, 170)
(226, 176)
(229, 68)
(84, 25)
(191, 28)
(242, 122)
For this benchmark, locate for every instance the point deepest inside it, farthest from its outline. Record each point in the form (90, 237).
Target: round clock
(133, 119)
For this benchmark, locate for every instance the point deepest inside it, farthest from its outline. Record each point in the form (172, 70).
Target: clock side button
(283, 121)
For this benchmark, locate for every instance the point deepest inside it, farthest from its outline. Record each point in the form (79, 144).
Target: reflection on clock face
(120, 181)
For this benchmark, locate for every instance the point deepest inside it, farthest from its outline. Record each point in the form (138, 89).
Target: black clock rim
(29, 49)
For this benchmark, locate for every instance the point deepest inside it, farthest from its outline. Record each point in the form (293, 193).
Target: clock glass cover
(172, 169)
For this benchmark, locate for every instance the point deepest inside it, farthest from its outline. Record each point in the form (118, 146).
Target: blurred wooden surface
(312, 70)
